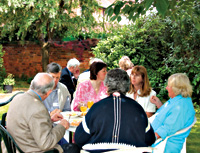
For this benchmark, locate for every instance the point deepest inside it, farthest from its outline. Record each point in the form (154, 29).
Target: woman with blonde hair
(140, 89)
(126, 64)
(176, 114)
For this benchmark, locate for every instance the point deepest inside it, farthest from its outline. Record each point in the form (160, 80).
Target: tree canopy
(42, 18)
(173, 8)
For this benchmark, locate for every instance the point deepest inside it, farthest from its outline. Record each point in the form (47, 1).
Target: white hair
(73, 63)
(42, 83)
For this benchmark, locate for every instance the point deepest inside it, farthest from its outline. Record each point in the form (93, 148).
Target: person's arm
(54, 112)
(149, 135)
(157, 136)
(56, 117)
(149, 114)
(82, 135)
(45, 135)
(150, 107)
(155, 100)
(173, 121)
(80, 96)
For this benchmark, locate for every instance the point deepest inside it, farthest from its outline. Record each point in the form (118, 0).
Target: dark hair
(95, 67)
(117, 80)
(53, 68)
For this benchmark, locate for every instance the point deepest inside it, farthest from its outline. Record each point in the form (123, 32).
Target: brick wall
(26, 59)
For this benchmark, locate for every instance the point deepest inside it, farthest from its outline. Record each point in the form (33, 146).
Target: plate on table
(75, 122)
(71, 114)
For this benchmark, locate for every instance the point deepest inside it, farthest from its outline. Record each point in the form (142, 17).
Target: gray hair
(73, 63)
(42, 83)
(54, 68)
(117, 80)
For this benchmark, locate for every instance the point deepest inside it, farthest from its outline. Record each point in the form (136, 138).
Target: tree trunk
(45, 55)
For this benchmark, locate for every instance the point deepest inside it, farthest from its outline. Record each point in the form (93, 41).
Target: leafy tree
(43, 18)
(170, 8)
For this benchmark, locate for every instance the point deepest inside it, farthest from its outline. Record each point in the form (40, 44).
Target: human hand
(65, 123)
(56, 117)
(155, 100)
(55, 111)
(76, 73)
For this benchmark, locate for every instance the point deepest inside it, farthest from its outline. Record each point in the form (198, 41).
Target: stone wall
(26, 59)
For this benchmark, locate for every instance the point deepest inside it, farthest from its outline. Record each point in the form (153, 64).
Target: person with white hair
(69, 75)
(117, 118)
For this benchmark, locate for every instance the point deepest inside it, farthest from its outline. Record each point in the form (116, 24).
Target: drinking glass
(89, 104)
(83, 107)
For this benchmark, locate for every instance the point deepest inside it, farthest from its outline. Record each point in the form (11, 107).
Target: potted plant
(8, 83)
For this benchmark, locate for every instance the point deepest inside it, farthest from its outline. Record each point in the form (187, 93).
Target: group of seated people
(123, 102)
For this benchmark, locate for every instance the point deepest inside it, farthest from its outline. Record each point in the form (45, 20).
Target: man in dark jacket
(69, 75)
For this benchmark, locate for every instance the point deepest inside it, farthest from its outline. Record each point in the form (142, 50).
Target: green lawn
(193, 140)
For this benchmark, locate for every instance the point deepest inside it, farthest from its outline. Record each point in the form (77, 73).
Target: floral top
(85, 92)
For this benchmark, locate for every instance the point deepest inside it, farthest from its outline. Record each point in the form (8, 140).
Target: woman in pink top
(93, 89)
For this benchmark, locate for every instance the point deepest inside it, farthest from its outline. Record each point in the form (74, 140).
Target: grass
(193, 140)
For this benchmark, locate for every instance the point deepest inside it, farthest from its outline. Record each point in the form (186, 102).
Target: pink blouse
(85, 92)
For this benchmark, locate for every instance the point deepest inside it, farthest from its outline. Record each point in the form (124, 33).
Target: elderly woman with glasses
(176, 114)
(117, 118)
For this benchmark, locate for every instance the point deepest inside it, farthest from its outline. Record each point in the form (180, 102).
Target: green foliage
(2, 68)
(163, 46)
(9, 80)
(197, 107)
(45, 20)
(166, 8)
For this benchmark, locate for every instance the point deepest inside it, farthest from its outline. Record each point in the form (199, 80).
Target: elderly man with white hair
(69, 75)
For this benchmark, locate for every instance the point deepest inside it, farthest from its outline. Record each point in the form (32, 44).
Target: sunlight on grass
(3, 110)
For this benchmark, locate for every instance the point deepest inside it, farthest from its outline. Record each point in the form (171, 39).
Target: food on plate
(75, 122)
(73, 114)
(83, 113)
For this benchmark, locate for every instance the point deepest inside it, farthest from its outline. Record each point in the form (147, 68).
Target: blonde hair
(180, 84)
(146, 88)
(125, 63)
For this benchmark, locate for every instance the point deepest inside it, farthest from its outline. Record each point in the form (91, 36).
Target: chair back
(10, 143)
(10, 99)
